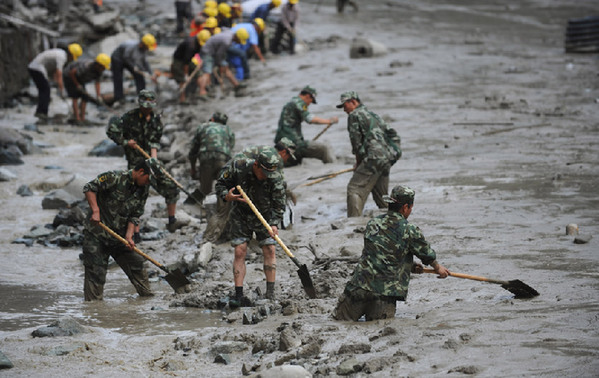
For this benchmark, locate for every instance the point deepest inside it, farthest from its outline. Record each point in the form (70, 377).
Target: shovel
(516, 287)
(145, 154)
(303, 273)
(326, 177)
(174, 277)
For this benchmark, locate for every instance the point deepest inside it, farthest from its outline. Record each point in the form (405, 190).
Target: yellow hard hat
(276, 3)
(242, 35)
(104, 60)
(260, 22)
(149, 41)
(75, 50)
(211, 12)
(211, 22)
(293, 1)
(216, 30)
(203, 36)
(210, 4)
(224, 9)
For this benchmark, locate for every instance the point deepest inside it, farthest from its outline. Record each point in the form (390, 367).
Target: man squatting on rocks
(78, 73)
(290, 126)
(264, 184)
(143, 127)
(376, 147)
(383, 272)
(116, 199)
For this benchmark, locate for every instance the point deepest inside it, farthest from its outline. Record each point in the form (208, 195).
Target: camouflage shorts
(165, 187)
(357, 302)
(243, 226)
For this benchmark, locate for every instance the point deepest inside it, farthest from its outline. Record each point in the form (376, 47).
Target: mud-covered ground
(499, 131)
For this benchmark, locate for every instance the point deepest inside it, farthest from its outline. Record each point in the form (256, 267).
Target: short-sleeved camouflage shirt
(133, 125)
(120, 201)
(390, 244)
(290, 121)
(268, 195)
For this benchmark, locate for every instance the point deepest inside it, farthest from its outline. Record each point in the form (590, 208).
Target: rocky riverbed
(499, 134)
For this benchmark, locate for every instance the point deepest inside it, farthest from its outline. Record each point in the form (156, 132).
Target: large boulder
(366, 48)
(107, 148)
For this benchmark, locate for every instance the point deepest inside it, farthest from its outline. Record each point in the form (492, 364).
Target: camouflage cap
(269, 162)
(346, 96)
(220, 117)
(146, 99)
(288, 144)
(311, 91)
(400, 194)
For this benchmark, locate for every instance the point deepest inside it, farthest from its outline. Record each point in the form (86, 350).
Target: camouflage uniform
(213, 143)
(290, 126)
(132, 125)
(382, 275)
(268, 196)
(217, 224)
(376, 147)
(121, 202)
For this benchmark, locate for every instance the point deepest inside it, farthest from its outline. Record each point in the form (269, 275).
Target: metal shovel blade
(304, 276)
(177, 280)
(520, 289)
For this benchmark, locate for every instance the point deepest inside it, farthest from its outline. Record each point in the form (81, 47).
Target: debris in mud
(5, 363)
(65, 326)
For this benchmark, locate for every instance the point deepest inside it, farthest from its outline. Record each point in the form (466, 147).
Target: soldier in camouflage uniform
(142, 127)
(264, 184)
(117, 199)
(217, 224)
(212, 144)
(382, 275)
(290, 126)
(376, 147)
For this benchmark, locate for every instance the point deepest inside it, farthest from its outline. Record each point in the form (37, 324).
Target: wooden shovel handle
(327, 177)
(124, 241)
(195, 70)
(467, 276)
(264, 222)
(145, 154)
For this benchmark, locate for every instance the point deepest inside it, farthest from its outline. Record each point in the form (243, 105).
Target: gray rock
(8, 156)
(285, 371)
(70, 217)
(5, 363)
(27, 241)
(63, 350)
(366, 48)
(103, 21)
(349, 366)
(228, 347)
(38, 232)
(59, 199)
(24, 191)
(6, 175)
(378, 364)
(10, 136)
(65, 326)
(572, 229)
(465, 370)
(205, 254)
(222, 358)
(359, 348)
(288, 339)
(107, 148)
(583, 239)
(310, 350)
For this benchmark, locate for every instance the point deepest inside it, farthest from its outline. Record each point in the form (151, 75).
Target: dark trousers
(43, 87)
(276, 41)
(183, 9)
(117, 68)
